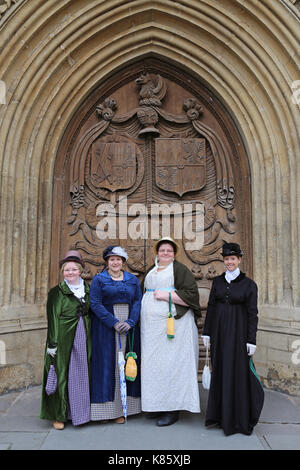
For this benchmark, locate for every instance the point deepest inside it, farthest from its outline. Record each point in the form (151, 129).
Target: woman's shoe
(168, 418)
(120, 420)
(58, 425)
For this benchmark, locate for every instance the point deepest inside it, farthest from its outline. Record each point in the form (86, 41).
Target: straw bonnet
(166, 240)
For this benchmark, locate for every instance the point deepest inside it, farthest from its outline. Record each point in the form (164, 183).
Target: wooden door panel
(151, 134)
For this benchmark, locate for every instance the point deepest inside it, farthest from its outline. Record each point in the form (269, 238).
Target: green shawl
(185, 287)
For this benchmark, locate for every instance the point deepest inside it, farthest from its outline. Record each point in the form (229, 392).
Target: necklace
(116, 277)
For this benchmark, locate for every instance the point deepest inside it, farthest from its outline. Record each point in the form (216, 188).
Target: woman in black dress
(236, 395)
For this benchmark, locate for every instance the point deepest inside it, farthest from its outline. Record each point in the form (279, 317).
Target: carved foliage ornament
(5, 5)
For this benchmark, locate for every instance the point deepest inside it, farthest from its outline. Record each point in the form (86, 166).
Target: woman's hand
(251, 349)
(117, 326)
(161, 295)
(52, 351)
(164, 295)
(206, 340)
(122, 327)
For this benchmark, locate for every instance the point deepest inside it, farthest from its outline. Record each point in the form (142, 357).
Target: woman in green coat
(68, 347)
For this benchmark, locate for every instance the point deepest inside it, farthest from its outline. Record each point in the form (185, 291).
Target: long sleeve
(135, 310)
(97, 306)
(53, 311)
(210, 311)
(252, 318)
(187, 289)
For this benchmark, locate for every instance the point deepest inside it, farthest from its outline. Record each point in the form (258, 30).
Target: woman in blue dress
(115, 299)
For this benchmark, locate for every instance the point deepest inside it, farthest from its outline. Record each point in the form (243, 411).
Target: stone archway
(55, 54)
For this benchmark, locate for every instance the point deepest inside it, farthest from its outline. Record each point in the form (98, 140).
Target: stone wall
(278, 355)
(54, 53)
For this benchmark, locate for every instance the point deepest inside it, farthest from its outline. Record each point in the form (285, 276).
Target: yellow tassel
(130, 369)
(170, 320)
(170, 327)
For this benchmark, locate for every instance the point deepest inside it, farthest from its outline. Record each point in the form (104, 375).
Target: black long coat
(236, 395)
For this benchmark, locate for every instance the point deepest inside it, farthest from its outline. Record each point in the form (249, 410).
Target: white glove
(206, 340)
(52, 351)
(251, 349)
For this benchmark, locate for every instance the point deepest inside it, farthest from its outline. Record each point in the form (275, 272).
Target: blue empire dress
(112, 301)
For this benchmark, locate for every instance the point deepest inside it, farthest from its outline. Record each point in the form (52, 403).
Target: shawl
(185, 287)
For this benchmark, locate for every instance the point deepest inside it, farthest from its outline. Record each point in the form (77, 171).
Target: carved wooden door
(151, 137)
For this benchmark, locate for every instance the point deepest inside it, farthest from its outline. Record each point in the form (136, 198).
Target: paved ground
(22, 429)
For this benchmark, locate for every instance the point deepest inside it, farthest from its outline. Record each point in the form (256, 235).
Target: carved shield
(180, 164)
(113, 164)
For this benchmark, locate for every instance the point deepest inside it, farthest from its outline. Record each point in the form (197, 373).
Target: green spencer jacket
(186, 288)
(62, 306)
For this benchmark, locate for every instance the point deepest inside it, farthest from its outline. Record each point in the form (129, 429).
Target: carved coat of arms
(113, 164)
(180, 164)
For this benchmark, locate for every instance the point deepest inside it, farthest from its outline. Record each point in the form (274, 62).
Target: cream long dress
(169, 367)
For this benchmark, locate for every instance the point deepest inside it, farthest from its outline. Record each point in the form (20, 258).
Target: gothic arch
(55, 53)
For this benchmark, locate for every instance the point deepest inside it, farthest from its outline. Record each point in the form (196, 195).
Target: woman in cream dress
(169, 366)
